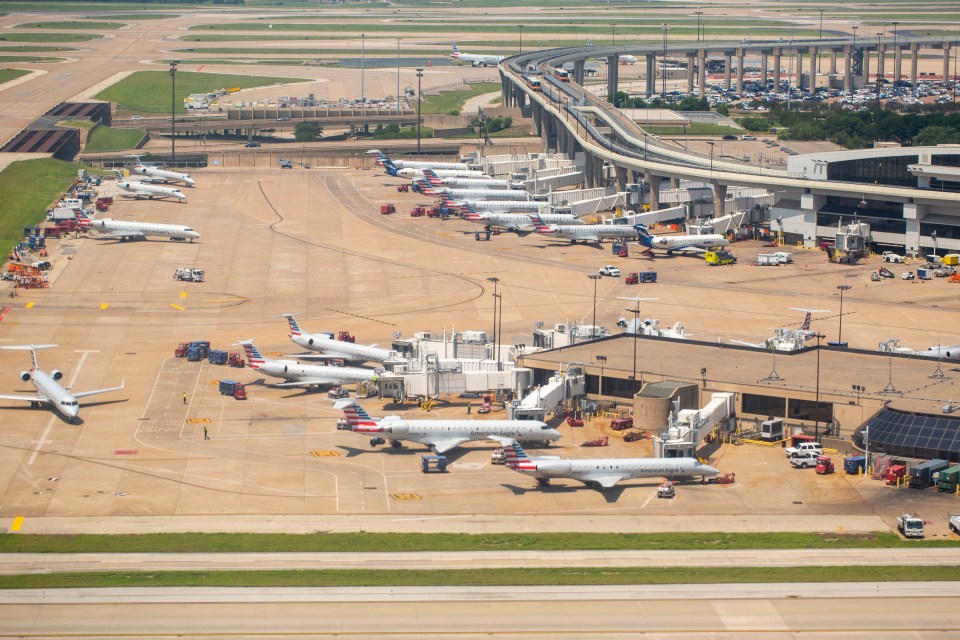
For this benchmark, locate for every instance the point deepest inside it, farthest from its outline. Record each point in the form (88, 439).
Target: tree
(723, 110)
(929, 136)
(307, 131)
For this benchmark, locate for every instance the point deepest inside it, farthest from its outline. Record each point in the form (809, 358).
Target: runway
(905, 611)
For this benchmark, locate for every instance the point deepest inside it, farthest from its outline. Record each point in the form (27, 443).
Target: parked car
(805, 447)
(610, 270)
(252, 145)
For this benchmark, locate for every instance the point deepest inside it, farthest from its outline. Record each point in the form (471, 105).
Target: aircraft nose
(707, 470)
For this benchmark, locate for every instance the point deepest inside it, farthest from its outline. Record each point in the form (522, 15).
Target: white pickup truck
(805, 459)
(954, 523)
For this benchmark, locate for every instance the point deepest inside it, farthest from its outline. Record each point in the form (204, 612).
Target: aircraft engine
(476, 64)
(662, 242)
(25, 376)
(56, 374)
(310, 342)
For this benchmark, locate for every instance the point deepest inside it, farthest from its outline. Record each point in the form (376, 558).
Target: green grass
(35, 49)
(6, 75)
(405, 134)
(77, 124)
(26, 189)
(148, 92)
(70, 24)
(396, 542)
(694, 129)
(518, 576)
(449, 101)
(137, 16)
(23, 59)
(9, 36)
(107, 139)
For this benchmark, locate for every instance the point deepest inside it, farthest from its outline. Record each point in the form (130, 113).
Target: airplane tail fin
(32, 348)
(254, 357)
(294, 326)
(643, 235)
(432, 177)
(456, 52)
(389, 166)
(805, 326)
(539, 225)
(357, 417)
(516, 457)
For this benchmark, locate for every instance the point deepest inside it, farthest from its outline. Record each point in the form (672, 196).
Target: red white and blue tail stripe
(254, 357)
(294, 325)
(517, 458)
(358, 418)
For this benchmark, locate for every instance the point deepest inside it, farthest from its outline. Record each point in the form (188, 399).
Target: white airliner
(480, 194)
(126, 230)
(149, 190)
(586, 232)
(383, 160)
(431, 180)
(155, 174)
(443, 435)
(786, 338)
(938, 351)
(519, 221)
(492, 206)
(680, 243)
(49, 391)
(601, 473)
(477, 60)
(393, 170)
(303, 375)
(626, 58)
(331, 348)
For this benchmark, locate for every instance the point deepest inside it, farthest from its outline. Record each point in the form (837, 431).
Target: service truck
(910, 526)
(954, 523)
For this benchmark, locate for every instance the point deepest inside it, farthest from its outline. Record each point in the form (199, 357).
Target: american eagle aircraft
(475, 59)
(443, 435)
(584, 232)
(602, 473)
(155, 174)
(331, 348)
(150, 191)
(383, 160)
(521, 221)
(126, 230)
(303, 375)
(680, 243)
(410, 172)
(49, 391)
(430, 177)
(492, 206)
(479, 194)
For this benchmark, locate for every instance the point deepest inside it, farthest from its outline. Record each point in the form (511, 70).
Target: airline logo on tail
(387, 164)
(456, 52)
(254, 357)
(294, 326)
(357, 417)
(806, 321)
(432, 177)
(517, 458)
(539, 225)
(643, 235)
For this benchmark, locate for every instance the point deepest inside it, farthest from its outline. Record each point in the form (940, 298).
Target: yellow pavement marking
(325, 454)
(274, 353)
(222, 299)
(28, 305)
(17, 523)
(405, 496)
(176, 306)
(104, 305)
(198, 420)
(183, 294)
(213, 382)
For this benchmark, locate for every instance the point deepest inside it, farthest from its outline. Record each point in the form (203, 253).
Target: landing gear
(543, 482)
(396, 444)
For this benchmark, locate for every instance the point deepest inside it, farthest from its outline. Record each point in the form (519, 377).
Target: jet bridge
(687, 428)
(545, 399)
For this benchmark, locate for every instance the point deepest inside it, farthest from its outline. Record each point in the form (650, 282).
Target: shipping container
(921, 476)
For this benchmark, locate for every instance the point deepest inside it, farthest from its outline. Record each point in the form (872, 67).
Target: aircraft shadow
(100, 403)
(610, 495)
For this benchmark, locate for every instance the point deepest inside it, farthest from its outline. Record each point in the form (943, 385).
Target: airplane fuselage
(483, 194)
(590, 232)
(483, 183)
(340, 348)
(519, 220)
(150, 190)
(317, 374)
(624, 468)
(134, 230)
(164, 175)
(422, 430)
(441, 173)
(675, 243)
(55, 395)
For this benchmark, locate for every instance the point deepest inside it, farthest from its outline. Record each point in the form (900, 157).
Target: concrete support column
(613, 72)
(651, 74)
(537, 115)
(727, 70)
(702, 72)
(654, 182)
(690, 64)
(881, 56)
(799, 70)
(866, 65)
(578, 70)
(813, 69)
(764, 69)
(740, 71)
(914, 214)
(897, 63)
(811, 204)
(719, 199)
(833, 62)
(545, 130)
(621, 178)
(848, 69)
(776, 70)
(914, 59)
(946, 61)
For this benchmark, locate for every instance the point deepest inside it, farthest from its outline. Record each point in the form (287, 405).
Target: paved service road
(25, 563)
(730, 612)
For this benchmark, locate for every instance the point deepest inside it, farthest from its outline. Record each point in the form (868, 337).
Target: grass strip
(107, 139)
(103, 26)
(518, 576)
(26, 189)
(396, 542)
(10, 36)
(452, 101)
(6, 75)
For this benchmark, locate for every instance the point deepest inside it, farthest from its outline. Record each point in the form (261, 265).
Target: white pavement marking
(53, 418)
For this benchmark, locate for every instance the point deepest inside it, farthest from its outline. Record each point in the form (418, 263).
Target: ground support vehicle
(804, 459)
(189, 274)
(630, 436)
(648, 277)
(386, 209)
(336, 393)
(632, 278)
(621, 424)
(609, 270)
(498, 457)
(666, 490)
(217, 356)
(719, 258)
(233, 388)
(403, 188)
(853, 465)
(602, 441)
(895, 473)
(198, 347)
(436, 464)
(727, 478)
(418, 212)
(346, 336)
(922, 475)
(910, 526)
(235, 359)
(824, 465)
(949, 479)
(804, 447)
(954, 523)
(574, 421)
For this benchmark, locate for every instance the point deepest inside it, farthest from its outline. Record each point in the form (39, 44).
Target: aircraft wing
(124, 234)
(307, 382)
(441, 444)
(27, 398)
(604, 480)
(692, 248)
(317, 356)
(84, 394)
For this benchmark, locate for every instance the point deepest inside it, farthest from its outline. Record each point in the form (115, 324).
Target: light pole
(494, 280)
(879, 78)
(602, 360)
(711, 143)
(858, 389)
(698, 14)
(419, 100)
(636, 329)
(520, 27)
(363, 64)
(816, 409)
(663, 92)
(593, 329)
(933, 236)
(820, 35)
(173, 111)
(613, 33)
(841, 288)
(398, 76)
(895, 53)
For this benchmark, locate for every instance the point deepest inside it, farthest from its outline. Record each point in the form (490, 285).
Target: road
(905, 611)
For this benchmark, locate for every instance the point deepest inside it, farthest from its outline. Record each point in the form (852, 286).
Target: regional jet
(303, 375)
(443, 435)
(383, 160)
(155, 174)
(48, 386)
(680, 243)
(601, 473)
(477, 60)
(585, 232)
(331, 348)
(493, 206)
(149, 190)
(126, 230)
(410, 172)
(520, 221)
(479, 194)
(786, 338)
(430, 177)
